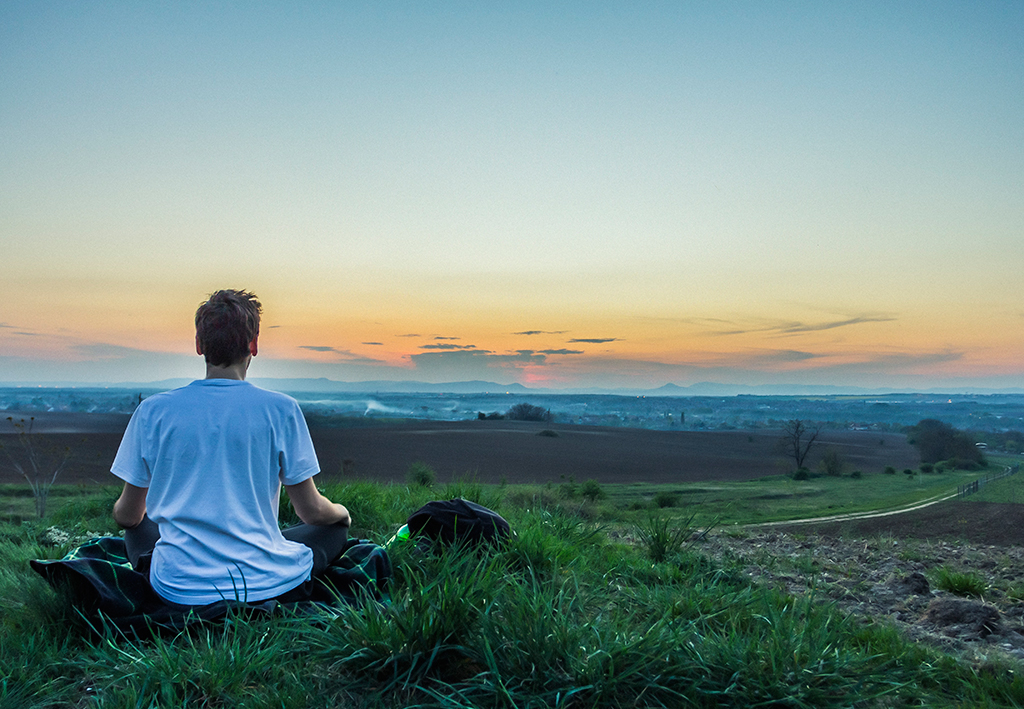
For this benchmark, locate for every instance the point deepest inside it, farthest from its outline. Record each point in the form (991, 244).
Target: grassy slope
(782, 498)
(562, 617)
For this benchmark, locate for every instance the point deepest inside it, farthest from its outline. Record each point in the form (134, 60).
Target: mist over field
(892, 412)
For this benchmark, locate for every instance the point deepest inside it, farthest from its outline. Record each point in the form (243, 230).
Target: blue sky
(754, 192)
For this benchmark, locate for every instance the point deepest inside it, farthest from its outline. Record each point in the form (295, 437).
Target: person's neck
(235, 370)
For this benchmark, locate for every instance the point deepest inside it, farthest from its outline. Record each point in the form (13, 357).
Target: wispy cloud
(817, 327)
(439, 337)
(541, 332)
(561, 352)
(380, 344)
(26, 333)
(411, 334)
(448, 346)
(594, 340)
(793, 327)
(899, 361)
(768, 358)
(346, 356)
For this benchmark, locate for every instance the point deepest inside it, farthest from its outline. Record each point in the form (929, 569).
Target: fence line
(973, 487)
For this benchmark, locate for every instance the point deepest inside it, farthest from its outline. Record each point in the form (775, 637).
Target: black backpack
(458, 520)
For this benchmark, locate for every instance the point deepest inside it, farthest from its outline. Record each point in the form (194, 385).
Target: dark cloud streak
(447, 346)
(834, 324)
(793, 327)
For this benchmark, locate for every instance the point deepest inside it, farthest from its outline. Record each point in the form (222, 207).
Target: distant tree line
(1011, 441)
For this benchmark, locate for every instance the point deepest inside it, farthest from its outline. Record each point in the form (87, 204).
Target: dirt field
(990, 523)
(513, 451)
(492, 451)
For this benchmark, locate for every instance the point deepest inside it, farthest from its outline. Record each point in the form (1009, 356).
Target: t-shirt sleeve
(297, 457)
(129, 463)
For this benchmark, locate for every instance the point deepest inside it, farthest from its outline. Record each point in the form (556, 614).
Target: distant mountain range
(324, 385)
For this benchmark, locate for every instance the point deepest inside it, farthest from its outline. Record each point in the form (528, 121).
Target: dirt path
(928, 502)
(872, 514)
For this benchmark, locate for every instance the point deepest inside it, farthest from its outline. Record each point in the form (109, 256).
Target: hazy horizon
(592, 196)
(412, 386)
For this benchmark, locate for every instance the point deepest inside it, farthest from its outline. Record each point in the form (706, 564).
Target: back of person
(203, 468)
(216, 453)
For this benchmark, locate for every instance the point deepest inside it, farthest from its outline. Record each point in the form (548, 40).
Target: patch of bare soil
(492, 451)
(988, 523)
(891, 575)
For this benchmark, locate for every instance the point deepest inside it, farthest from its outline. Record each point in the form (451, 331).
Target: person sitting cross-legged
(203, 467)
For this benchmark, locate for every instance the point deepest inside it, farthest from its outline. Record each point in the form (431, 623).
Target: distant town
(997, 419)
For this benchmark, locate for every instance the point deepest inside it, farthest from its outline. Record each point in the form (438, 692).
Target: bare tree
(39, 464)
(797, 439)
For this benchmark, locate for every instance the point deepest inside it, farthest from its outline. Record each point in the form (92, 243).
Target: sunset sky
(557, 194)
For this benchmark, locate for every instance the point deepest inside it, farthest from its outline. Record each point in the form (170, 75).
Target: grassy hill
(600, 600)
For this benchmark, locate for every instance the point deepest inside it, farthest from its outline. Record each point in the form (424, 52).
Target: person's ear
(199, 346)
(253, 346)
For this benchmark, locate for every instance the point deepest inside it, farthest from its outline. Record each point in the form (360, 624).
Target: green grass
(1008, 489)
(960, 583)
(564, 615)
(780, 498)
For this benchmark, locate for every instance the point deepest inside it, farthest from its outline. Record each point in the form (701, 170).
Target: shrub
(964, 464)
(927, 468)
(889, 470)
(802, 474)
(832, 463)
(528, 412)
(666, 499)
(592, 490)
(908, 472)
(663, 540)
(856, 475)
(568, 490)
(421, 474)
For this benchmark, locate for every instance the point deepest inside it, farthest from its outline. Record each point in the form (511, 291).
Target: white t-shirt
(214, 455)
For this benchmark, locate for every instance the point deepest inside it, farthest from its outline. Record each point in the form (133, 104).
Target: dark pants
(326, 542)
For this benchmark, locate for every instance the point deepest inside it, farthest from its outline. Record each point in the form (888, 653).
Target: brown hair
(225, 324)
